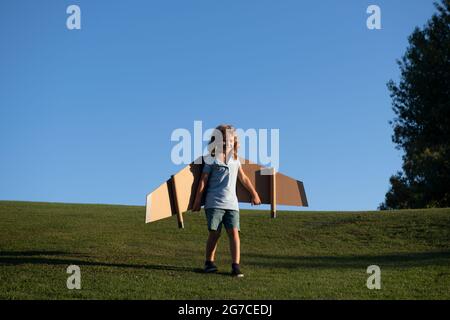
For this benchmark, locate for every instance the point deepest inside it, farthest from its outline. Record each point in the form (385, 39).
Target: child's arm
(249, 186)
(201, 188)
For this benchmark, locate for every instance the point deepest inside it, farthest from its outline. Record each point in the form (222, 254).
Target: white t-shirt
(221, 187)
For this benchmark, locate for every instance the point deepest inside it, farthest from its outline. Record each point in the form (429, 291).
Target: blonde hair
(224, 129)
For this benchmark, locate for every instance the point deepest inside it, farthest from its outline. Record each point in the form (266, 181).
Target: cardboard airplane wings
(176, 195)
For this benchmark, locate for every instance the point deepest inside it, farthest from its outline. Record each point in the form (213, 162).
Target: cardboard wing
(177, 194)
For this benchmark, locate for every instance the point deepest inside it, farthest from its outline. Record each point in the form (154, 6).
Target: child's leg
(235, 244)
(211, 244)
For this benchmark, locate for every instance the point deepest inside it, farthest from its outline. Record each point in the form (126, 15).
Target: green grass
(298, 255)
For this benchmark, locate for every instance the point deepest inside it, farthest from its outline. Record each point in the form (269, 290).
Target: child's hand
(256, 200)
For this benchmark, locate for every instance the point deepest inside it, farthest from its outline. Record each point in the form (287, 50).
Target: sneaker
(236, 271)
(210, 267)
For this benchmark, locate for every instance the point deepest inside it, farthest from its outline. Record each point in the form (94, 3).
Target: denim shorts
(216, 217)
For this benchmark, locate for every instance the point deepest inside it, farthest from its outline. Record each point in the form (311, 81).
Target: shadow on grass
(402, 260)
(37, 257)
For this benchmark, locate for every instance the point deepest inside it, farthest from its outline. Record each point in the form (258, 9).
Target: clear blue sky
(86, 115)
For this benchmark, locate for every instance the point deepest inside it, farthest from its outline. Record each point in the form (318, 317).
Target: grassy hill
(298, 255)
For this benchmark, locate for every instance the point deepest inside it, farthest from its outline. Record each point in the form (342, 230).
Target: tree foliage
(421, 103)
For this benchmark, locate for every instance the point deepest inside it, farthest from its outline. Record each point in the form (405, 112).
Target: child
(218, 179)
